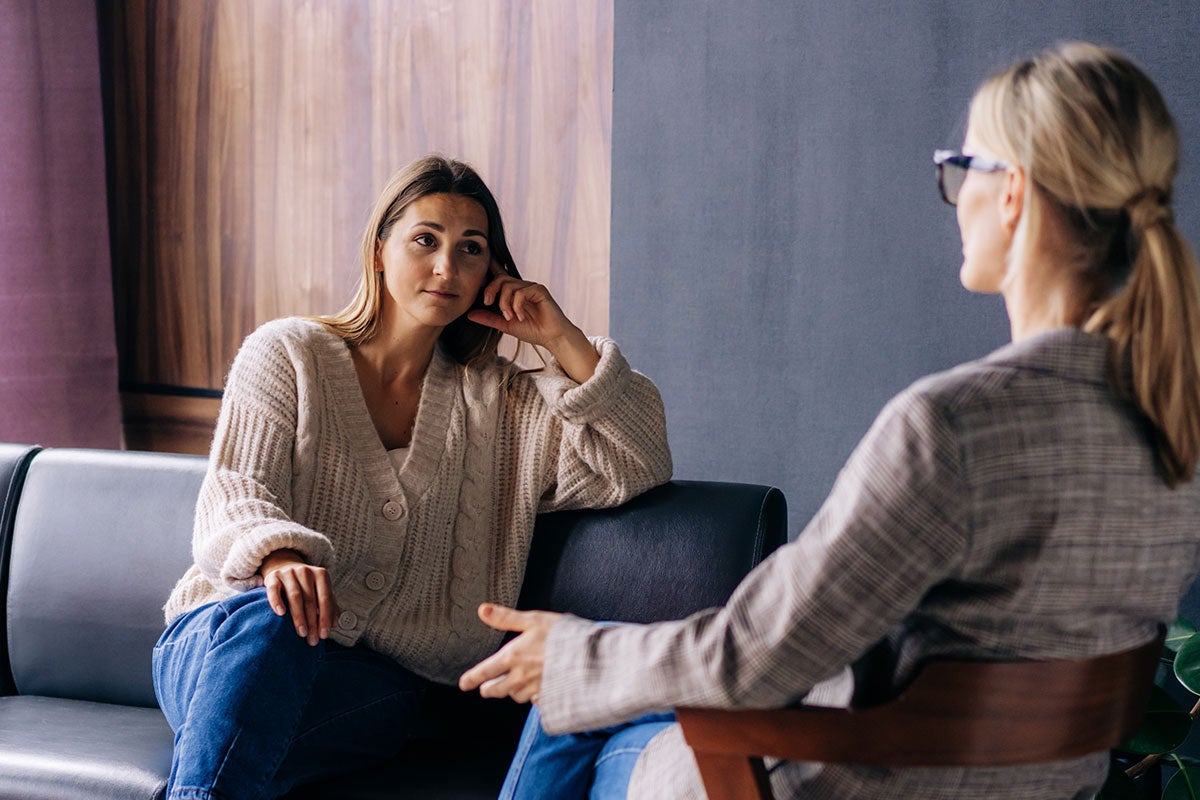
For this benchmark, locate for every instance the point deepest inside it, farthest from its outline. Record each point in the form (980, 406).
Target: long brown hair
(1101, 151)
(467, 342)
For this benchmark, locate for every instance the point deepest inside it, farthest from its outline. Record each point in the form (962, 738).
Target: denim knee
(251, 613)
(233, 678)
(614, 765)
(244, 623)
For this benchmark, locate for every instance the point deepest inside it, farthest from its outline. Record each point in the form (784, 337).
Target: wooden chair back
(954, 713)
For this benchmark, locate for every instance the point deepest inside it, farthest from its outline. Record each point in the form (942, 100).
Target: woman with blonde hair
(1036, 504)
(374, 475)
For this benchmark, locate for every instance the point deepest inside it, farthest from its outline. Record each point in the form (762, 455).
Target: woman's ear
(1012, 200)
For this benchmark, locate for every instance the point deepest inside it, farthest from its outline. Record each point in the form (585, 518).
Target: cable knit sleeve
(244, 509)
(601, 442)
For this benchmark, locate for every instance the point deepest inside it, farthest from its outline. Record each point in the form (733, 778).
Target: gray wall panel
(781, 261)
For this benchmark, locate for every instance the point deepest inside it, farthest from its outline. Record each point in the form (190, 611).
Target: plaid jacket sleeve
(895, 524)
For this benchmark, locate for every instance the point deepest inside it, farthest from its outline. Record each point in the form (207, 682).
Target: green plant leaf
(1184, 785)
(1118, 785)
(1164, 728)
(1180, 631)
(1187, 664)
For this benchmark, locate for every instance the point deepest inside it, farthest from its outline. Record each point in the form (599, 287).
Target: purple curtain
(58, 356)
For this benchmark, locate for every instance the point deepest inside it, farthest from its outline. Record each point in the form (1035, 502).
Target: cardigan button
(375, 581)
(347, 620)
(393, 510)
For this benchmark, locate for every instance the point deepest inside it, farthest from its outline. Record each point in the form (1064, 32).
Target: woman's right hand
(306, 590)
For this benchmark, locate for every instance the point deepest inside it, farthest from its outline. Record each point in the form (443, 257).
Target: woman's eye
(425, 239)
(473, 248)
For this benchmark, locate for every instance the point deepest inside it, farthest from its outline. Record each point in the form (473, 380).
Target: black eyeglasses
(952, 171)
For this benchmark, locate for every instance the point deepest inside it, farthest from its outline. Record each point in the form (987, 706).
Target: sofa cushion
(99, 539)
(53, 749)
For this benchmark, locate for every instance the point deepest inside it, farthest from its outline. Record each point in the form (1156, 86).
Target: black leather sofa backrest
(582, 563)
(14, 461)
(99, 539)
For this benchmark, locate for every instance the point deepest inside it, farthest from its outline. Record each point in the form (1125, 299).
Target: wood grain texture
(166, 423)
(248, 139)
(953, 713)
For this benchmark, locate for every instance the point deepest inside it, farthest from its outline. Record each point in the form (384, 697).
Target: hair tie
(1150, 207)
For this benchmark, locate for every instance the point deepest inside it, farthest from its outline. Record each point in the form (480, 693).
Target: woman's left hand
(529, 313)
(515, 670)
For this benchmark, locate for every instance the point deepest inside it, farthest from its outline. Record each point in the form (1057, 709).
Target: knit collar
(438, 393)
(429, 430)
(1068, 353)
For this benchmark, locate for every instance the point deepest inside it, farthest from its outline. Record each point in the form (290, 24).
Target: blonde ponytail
(1154, 325)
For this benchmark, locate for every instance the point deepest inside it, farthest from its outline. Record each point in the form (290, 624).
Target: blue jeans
(256, 710)
(595, 765)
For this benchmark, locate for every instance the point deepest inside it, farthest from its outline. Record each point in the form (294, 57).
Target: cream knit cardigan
(296, 463)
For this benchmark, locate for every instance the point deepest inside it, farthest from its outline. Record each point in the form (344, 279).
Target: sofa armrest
(674, 550)
(14, 463)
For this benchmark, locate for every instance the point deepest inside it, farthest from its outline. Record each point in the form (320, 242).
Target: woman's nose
(443, 264)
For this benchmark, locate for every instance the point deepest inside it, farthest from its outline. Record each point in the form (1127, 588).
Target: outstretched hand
(515, 670)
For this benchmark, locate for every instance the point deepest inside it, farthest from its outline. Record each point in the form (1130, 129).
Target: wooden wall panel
(248, 140)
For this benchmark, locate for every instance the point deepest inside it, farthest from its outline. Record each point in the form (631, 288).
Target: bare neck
(1045, 288)
(400, 351)
(1037, 306)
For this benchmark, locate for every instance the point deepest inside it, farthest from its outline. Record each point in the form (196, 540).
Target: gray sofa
(92, 541)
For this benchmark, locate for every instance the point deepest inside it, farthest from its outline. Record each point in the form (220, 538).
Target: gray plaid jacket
(1008, 508)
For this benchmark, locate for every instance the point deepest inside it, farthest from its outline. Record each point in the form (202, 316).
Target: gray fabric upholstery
(52, 749)
(99, 539)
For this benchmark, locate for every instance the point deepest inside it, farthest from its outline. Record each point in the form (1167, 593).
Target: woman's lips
(442, 295)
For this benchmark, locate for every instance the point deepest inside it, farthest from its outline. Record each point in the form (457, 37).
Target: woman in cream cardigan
(1037, 503)
(374, 476)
